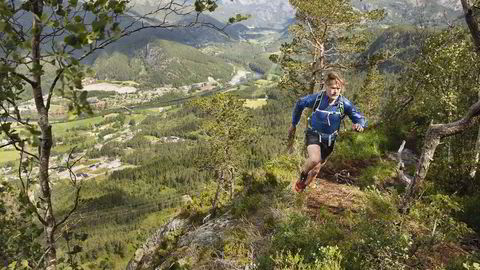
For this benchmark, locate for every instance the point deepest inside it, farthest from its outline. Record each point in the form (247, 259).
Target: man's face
(333, 89)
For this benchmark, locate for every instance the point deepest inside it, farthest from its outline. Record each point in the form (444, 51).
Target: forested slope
(204, 181)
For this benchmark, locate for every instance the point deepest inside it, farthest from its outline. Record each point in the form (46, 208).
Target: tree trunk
(434, 134)
(438, 131)
(318, 67)
(472, 22)
(476, 156)
(45, 140)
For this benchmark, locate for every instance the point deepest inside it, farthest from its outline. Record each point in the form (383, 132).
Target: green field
(60, 129)
(255, 103)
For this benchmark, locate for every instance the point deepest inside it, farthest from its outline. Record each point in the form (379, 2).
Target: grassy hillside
(399, 44)
(134, 174)
(163, 62)
(348, 220)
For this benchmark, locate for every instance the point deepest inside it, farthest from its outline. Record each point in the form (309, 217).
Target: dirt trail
(337, 197)
(334, 196)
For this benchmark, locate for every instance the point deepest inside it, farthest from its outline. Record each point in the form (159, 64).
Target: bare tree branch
(7, 144)
(25, 188)
(432, 139)
(73, 181)
(472, 22)
(52, 87)
(23, 77)
(401, 166)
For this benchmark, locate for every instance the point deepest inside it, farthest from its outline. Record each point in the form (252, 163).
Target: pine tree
(227, 129)
(325, 34)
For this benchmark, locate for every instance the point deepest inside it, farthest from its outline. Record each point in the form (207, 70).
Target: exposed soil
(336, 197)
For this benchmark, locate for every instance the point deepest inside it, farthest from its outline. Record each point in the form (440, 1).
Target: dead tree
(436, 132)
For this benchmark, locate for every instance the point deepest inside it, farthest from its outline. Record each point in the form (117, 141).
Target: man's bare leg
(312, 174)
(310, 168)
(313, 159)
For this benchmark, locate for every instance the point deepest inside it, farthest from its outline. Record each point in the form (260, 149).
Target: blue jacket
(326, 119)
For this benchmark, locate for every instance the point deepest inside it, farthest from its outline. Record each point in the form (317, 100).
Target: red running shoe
(300, 185)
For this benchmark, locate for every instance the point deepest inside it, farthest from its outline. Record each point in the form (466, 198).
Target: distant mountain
(403, 42)
(279, 13)
(426, 12)
(195, 36)
(265, 13)
(162, 62)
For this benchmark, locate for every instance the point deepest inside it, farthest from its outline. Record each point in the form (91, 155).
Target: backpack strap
(318, 101)
(341, 107)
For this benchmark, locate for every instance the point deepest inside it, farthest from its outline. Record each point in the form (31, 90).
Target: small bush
(377, 243)
(248, 204)
(326, 258)
(377, 174)
(360, 146)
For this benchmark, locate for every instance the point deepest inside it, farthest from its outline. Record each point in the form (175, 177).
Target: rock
(143, 257)
(189, 245)
(108, 136)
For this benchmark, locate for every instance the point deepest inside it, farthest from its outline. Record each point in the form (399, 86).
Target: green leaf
(12, 265)
(73, 3)
(44, 18)
(33, 130)
(99, 25)
(75, 27)
(199, 6)
(6, 127)
(213, 7)
(73, 41)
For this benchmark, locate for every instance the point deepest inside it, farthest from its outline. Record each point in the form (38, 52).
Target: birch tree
(37, 35)
(437, 132)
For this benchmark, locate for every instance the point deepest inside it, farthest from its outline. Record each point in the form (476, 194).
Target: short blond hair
(335, 76)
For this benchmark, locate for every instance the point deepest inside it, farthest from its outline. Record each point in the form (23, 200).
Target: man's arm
(359, 121)
(302, 103)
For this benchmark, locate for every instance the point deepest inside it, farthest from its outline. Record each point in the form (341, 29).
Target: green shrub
(471, 212)
(436, 212)
(376, 174)
(377, 243)
(360, 146)
(326, 258)
(297, 234)
(248, 204)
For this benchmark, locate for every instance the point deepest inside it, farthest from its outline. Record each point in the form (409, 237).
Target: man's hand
(357, 127)
(291, 132)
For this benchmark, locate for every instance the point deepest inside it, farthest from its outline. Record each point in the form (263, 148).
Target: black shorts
(312, 138)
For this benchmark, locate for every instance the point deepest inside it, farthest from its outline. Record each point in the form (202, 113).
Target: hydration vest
(325, 122)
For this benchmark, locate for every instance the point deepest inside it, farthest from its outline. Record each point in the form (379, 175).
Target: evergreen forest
(142, 135)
